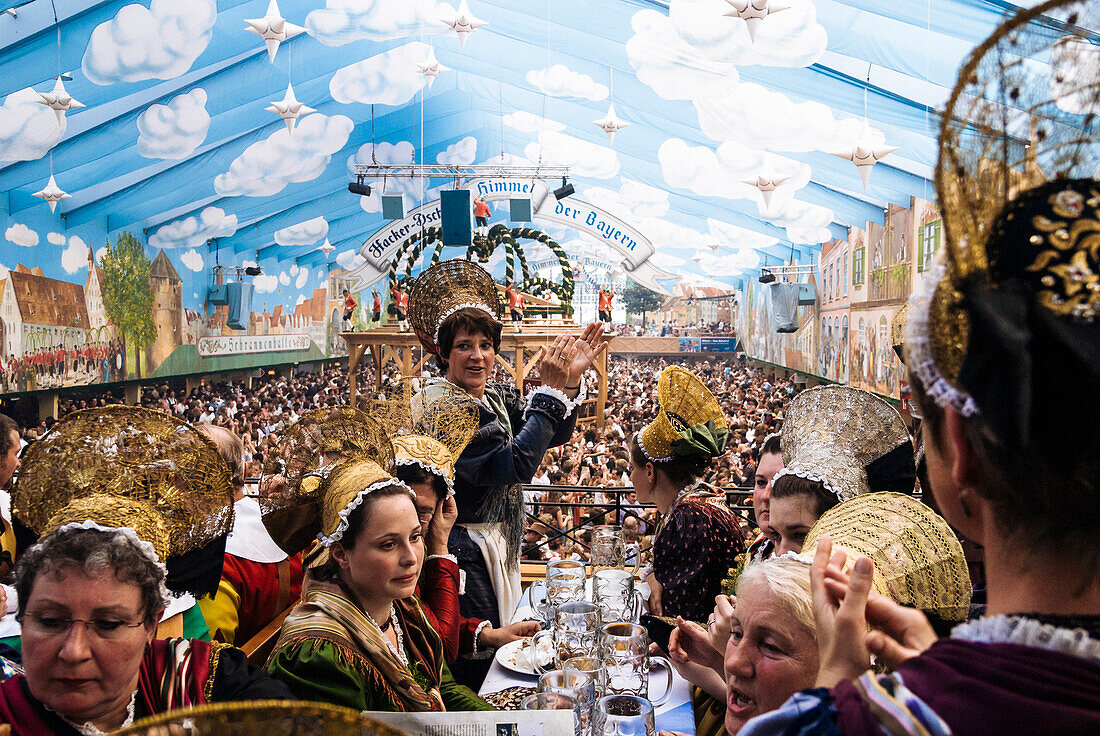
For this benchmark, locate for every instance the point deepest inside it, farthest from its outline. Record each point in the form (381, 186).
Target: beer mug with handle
(564, 583)
(623, 715)
(614, 592)
(624, 651)
(609, 548)
(573, 631)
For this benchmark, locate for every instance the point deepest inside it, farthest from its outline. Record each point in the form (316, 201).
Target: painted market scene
(605, 367)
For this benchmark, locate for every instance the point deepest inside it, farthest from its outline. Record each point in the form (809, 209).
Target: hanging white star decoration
(52, 194)
(865, 153)
(289, 109)
(463, 23)
(610, 124)
(753, 12)
(431, 68)
(767, 186)
(58, 100)
(273, 28)
(327, 247)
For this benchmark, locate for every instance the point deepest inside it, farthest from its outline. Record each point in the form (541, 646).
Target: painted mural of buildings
(167, 288)
(39, 312)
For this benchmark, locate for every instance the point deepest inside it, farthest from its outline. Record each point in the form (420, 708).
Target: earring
(964, 494)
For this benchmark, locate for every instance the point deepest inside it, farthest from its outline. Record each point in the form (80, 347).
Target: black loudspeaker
(454, 206)
(240, 305)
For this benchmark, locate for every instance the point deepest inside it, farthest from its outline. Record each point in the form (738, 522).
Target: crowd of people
(389, 541)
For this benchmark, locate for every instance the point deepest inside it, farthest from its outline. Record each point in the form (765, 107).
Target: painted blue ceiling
(705, 105)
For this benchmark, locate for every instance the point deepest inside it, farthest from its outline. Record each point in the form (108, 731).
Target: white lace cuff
(1028, 632)
(569, 404)
(477, 636)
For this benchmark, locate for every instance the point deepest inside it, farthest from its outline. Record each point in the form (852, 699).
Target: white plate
(515, 656)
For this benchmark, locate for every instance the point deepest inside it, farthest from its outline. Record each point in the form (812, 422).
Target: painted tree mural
(127, 297)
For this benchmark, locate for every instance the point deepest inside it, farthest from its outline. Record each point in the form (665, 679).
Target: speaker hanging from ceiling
(240, 305)
(454, 206)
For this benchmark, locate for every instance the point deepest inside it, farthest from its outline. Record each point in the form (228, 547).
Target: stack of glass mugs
(601, 664)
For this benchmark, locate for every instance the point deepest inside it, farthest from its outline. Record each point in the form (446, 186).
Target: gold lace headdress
(323, 437)
(127, 467)
(1005, 323)
(918, 560)
(312, 454)
(261, 718)
(689, 419)
(445, 288)
(847, 439)
(430, 427)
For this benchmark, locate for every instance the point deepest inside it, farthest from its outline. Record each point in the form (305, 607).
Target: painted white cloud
(22, 235)
(158, 42)
(672, 68)
(389, 78)
(99, 254)
(247, 263)
(738, 238)
(303, 278)
(300, 300)
(28, 129)
(191, 232)
(526, 122)
(268, 166)
(350, 259)
(401, 152)
(75, 255)
(294, 269)
(174, 130)
(756, 116)
(284, 278)
(791, 38)
(582, 157)
(561, 81)
(55, 238)
(459, 154)
(666, 261)
(266, 283)
(721, 173)
(346, 21)
(192, 259)
(634, 200)
(304, 233)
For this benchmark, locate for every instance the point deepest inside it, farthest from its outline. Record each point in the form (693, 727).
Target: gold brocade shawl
(326, 612)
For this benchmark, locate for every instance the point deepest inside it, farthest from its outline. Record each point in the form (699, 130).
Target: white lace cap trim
(805, 475)
(641, 444)
(145, 548)
(337, 535)
(464, 305)
(570, 404)
(918, 347)
(433, 469)
(1028, 632)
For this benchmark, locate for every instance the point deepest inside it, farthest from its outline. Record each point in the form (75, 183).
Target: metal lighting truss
(448, 171)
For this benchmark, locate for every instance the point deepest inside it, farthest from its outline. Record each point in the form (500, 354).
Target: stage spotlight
(565, 190)
(358, 187)
(253, 271)
(766, 277)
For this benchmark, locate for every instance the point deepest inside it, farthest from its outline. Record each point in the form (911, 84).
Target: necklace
(399, 651)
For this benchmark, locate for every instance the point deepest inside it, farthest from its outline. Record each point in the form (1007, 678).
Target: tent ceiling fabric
(177, 138)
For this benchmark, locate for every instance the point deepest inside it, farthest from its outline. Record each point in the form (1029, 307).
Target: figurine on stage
(515, 305)
(607, 293)
(376, 309)
(401, 305)
(481, 216)
(349, 309)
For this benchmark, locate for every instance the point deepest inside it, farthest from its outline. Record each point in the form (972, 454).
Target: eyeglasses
(103, 628)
